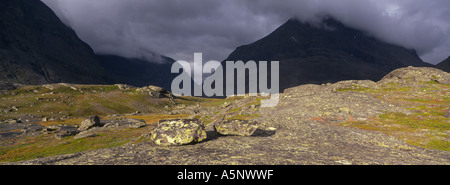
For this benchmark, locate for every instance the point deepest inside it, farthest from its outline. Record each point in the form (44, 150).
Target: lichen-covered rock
(93, 121)
(236, 127)
(178, 132)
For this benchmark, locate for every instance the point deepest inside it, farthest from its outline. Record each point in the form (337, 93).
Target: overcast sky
(178, 28)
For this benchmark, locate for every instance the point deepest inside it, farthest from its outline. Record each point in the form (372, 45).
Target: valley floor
(393, 121)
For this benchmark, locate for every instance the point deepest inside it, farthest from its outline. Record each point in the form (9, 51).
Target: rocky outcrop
(411, 75)
(178, 132)
(236, 127)
(86, 124)
(114, 124)
(14, 129)
(156, 92)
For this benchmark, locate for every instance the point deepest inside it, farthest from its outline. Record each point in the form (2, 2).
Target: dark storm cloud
(178, 28)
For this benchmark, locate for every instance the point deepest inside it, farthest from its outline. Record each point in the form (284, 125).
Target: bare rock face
(236, 127)
(178, 132)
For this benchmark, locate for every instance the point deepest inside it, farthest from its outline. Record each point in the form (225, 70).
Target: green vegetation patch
(46, 145)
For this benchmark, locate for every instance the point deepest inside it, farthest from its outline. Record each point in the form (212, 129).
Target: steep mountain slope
(444, 65)
(36, 47)
(138, 72)
(326, 52)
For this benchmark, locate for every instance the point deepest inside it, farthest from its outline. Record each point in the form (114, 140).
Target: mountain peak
(326, 51)
(326, 22)
(36, 47)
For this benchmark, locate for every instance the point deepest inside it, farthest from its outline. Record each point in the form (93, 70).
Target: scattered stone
(85, 134)
(52, 128)
(48, 86)
(93, 121)
(64, 134)
(178, 132)
(114, 124)
(12, 121)
(225, 105)
(125, 123)
(447, 114)
(236, 127)
(156, 92)
(45, 119)
(135, 123)
(32, 128)
(122, 86)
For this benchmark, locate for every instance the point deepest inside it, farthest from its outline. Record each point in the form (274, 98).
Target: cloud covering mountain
(143, 28)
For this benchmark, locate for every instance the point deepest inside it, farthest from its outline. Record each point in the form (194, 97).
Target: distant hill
(326, 52)
(37, 48)
(138, 72)
(444, 65)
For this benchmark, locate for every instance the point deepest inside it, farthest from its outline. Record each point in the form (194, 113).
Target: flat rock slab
(115, 124)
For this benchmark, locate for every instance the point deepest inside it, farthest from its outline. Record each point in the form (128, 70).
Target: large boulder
(236, 127)
(178, 132)
(93, 121)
